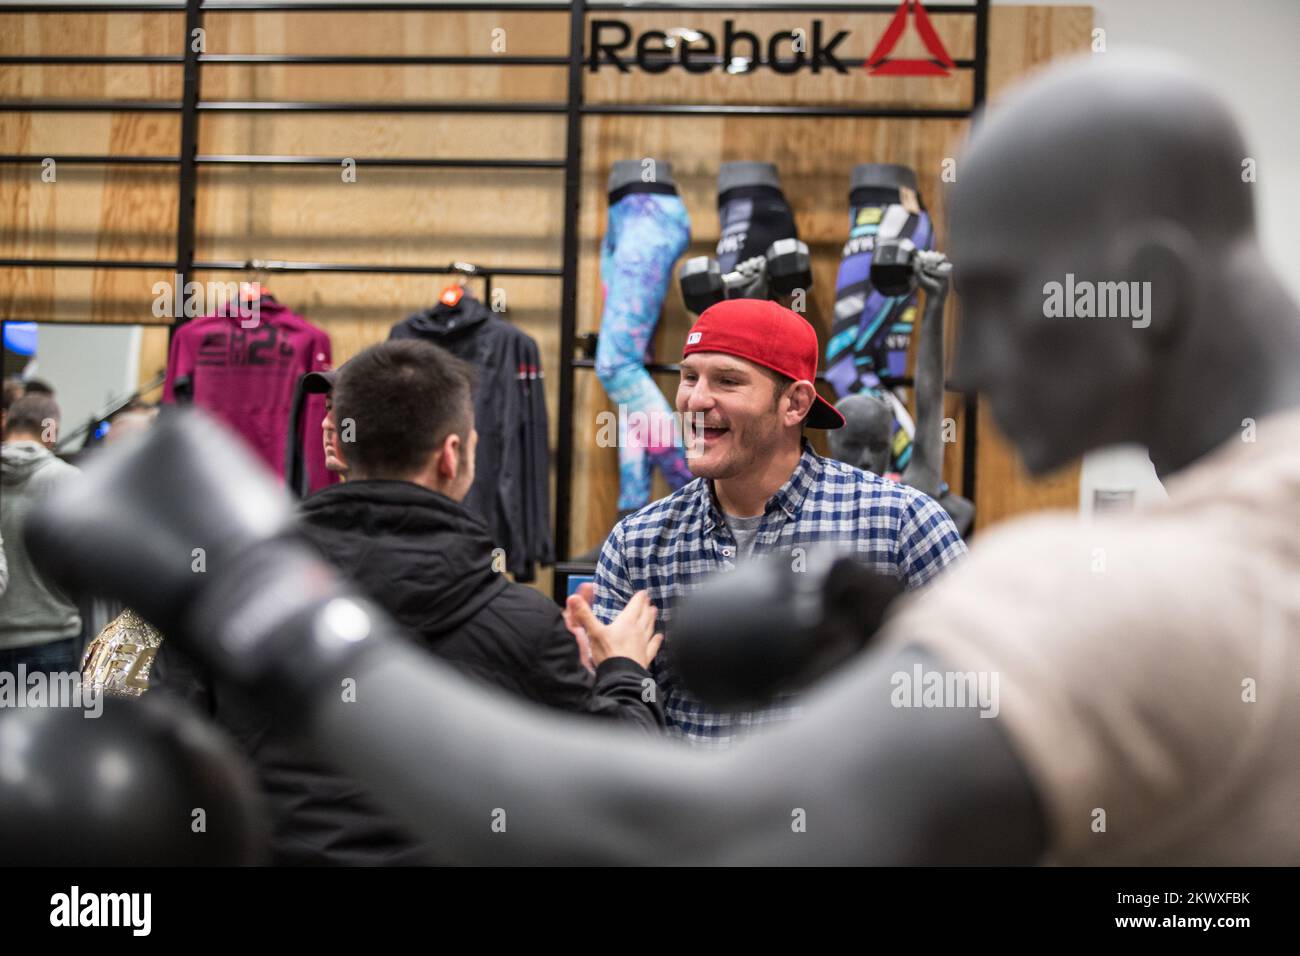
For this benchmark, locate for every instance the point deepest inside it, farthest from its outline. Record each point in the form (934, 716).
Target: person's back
(39, 625)
(428, 560)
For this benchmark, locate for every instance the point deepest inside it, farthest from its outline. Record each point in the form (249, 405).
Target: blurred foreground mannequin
(1147, 692)
(124, 783)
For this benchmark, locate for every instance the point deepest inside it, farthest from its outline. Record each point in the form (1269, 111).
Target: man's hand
(587, 592)
(631, 634)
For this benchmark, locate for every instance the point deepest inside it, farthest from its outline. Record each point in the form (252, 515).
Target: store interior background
(514, 218)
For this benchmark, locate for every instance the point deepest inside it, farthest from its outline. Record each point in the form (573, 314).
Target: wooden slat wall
(89, 212)
(435, 216)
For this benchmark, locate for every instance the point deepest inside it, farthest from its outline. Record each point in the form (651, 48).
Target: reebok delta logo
(75, 909)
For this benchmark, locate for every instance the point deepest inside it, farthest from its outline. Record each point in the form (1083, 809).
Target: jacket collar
(789, 497)
(407, 499)
(454, 320)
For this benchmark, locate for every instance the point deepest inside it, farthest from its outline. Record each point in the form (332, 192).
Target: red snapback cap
(767, 334)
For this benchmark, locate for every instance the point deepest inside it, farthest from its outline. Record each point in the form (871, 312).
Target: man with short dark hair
(405, 413)
(39, 626)
(400, 405)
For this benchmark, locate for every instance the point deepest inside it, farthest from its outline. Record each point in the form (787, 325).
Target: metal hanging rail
(89, 60)
(14, 159)
(188, 177)
(277, 265)
(108, 6)
(569, 290)
(296, 59)
(416, 163)
(740, 109)
(251, 160)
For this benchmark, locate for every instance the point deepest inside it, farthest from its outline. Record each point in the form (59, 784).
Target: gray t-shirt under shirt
(744, 530)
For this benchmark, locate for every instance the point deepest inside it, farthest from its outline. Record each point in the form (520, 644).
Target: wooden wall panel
(89, 211)
(434, 216)
(153, 360)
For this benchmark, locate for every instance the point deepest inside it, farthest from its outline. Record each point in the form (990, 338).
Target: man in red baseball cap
(746, 394)
(735, 423)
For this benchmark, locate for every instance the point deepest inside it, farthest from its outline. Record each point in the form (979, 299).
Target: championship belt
(118, 661)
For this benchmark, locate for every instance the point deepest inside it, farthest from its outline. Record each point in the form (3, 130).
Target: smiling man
(746, 395)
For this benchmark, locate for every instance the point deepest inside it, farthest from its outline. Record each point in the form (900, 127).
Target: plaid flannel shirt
(669, 547)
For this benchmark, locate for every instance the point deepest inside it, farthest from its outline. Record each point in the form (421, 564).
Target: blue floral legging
(647, 233)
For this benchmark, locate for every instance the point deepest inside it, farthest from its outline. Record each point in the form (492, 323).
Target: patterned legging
(647, 233)
(871, 332)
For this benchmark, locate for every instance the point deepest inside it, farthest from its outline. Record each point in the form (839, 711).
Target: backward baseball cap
(319, 383)
(767, 334)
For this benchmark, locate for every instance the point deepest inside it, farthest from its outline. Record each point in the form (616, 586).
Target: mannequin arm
(924, 471)
(855, 781)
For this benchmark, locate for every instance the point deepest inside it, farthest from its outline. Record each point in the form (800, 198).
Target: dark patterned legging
(871, 332)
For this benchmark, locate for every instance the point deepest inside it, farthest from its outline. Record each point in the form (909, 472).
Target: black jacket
(428, 561)
(511, 490)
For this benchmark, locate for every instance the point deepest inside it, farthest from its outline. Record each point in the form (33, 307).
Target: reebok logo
(694, 337)
(786, 51)
(611, 39)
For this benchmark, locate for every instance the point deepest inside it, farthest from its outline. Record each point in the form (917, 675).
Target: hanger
(452, 294)
(254, 291)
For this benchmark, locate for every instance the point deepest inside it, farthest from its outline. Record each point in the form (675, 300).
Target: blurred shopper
(40, 626)
(13, 390)
(322, 383)
(129, 421)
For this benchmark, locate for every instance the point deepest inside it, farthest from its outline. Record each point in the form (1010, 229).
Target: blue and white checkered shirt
(670, 546)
